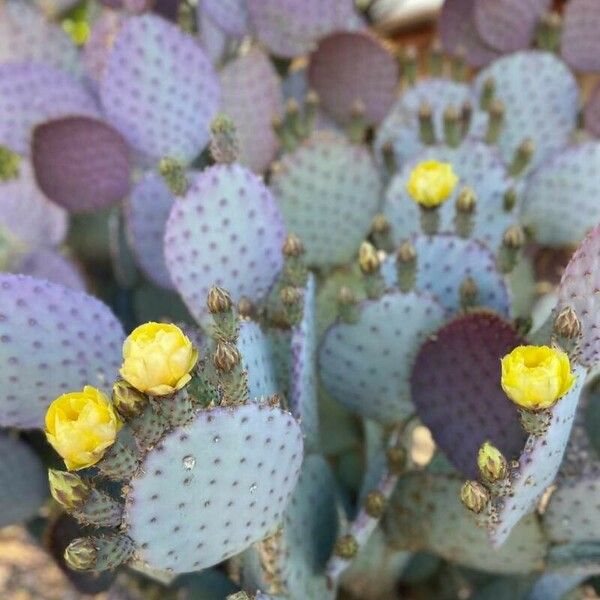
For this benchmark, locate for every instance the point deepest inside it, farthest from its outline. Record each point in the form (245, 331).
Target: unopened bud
(312, 99)
(514, 238)
(224, 146)
(245, 307)
(466, 200)
(68, 489)
(293, 246)
(173, 172)
(292, 108)
(346, 296)
(226, 357)
(290, 295)
(474, 496)
(218, 300)
(10, 164)
(346, 547)
(491, 462)
(367, 258)
(375, 503)
(380, 224)
(81, 554)
(567, 323)
(510, 199)
(127, 401)
(396, 459)
(406, 252)
(468, 292)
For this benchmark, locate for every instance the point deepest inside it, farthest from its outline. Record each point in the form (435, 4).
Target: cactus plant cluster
(289, 310)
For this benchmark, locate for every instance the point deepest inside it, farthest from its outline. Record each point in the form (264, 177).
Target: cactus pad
(347, 67)
(290, 28)
(252, 97)
(579, 289)
(80, 163)
(99, 43)
(560, 200)
(538, 465)
(592, 112)
(426, 513)
(32, 93)
(230, 15)
(328, 191)
(445, 261)
(171, 120)
(23, 481)
(52, 340)
(580, 46)
(49, 264)
(455, 385)
(210, 489)
(146, 212)
(478, 166)
(228, 231)
(541, 102)
(366, 366)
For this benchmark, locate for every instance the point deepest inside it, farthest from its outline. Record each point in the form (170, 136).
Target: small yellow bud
(290, 295)
(346, 547)
(567, 323)
(10, 164)
(80, 426)
(226, 357)
(218, 300)
(368, 259)
(514, 237)
(406, 252)
(158, 358)
(380, 224)
(474, 496)
(535, 377)
(375, 503)
(68, 489)
(466, 200)
(491, 462)
(127, 401)
(293, 246)
(81, 554)
(245, 307)
(431, 183)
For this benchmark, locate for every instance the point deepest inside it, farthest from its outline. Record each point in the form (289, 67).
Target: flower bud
(127, 401)
(224, 146)
(466, 201)
(10, 164)
(293, 246)
(567, 323)
(375, 504)
(346, 547)
(81, 554)
(514, 237)
(245, 307)
(406, 252)
(218, 300)
(290, 295)
(346, 296)
(368, 259)
(68, 489)
(226, 357)
(380, 224)
(491, 462)
(431, 183)
(474, 496)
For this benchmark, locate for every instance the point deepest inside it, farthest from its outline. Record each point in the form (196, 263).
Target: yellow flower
(81, 426)
(431, 183)
(535, 377)
(158, 358)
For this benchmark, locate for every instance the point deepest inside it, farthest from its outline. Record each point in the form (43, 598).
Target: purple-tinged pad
(426, 514)
(347, 67)
(291, 27)
(591, 112)
(444, 261)
(579, 289)
(212, 38)
(213, 487)
(23, 481)
(560, 199)
(556, 584)
(146, 212)
(159, 89)
(541, 100)
(455, 386)
(257, 358)
(52, 340)
(50, 264)
(82, 164)
(252, 97)
(458, 32)
(230, 15)
(478, 166)
(27, 215)
(303, 369)
(328, 191)
(26, 35)
(580, 43)
(539, 463)
(32, 93)
(508, 25)
(227, 231)
(99, 44)
(366, 366)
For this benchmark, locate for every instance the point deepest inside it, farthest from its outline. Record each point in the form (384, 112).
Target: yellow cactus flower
(158, 358)
(431, 183)
(535, 377)
(81, 426)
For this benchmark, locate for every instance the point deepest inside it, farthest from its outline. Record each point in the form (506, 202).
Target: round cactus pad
(53, 340)
(560, 200)
(80, 163)
(455, 386)
(159, 89)
(580, 45)
(230, 15)
(99, 44)
(32, 93)
(50, 264)
(227, 231)
(579, 289)
(366, 366)
(541, 100)
(351, 67)
(329, 191)
(210, 489)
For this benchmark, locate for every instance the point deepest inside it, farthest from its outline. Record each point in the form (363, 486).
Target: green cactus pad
(152, 303)
(443, 263)
(228, 231)
(541, 100)
(477, 166)
(53, 340)
(426, 514)
(366, 366)
(252, 98)
(579, 289)
(212, 488)
(560, 200)
(328, 191)
(23, 481)
(539, 463)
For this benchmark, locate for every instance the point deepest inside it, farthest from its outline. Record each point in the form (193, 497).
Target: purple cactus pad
(580, 42)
